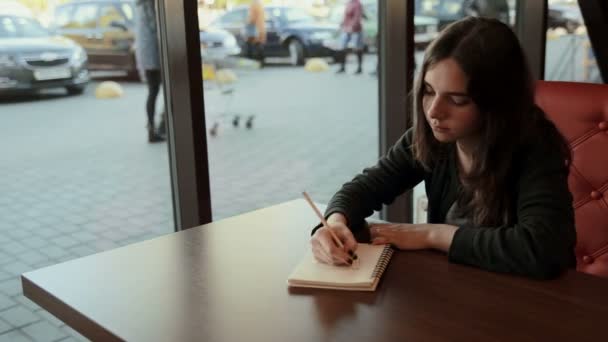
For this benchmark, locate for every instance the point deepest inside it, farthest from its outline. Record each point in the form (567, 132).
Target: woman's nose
(434, 109)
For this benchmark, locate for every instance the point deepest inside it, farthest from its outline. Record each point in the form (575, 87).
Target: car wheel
(75, 90)
(296, 52)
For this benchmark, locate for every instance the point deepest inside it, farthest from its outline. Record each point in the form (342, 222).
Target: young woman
(495, 169)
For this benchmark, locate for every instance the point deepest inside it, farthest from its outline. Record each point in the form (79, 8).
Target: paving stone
(82, 250)
(46, 232)
(84, 236)
(53, 252)
(26, 302)
(19, 316)
(5, 257)
(43, 331)
(14, 336)
(13, 247)
(6, 302)
(4, 327)
(5, 275)
(50, 318)
(75, 334)
(11, 287)
(17, 268)
(19, 234)
(65, 241)
(33, 241)
(68, 339)
(32, 257)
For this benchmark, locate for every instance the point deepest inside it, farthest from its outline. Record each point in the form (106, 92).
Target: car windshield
(16, 27)
(293, 15)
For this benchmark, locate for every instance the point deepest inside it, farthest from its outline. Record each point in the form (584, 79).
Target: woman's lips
(440, 129)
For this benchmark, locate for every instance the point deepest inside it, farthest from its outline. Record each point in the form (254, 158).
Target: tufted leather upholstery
(580, 112)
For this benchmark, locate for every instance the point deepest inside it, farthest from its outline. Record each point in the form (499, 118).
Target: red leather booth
(580, 112)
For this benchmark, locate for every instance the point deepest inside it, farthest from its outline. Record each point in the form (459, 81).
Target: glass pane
(85, 16)
(569, 55)
(78, 174)
(431, 16)
(110, 14)
(293, 124)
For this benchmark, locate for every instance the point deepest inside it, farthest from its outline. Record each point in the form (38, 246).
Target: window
(569, 55)
(14, 27)
(73, 184)
(85, 16)
(431, 16)
(127, 10)
(109, 14)
(293, 15)
(271, 131)
(235, 17)
(63, 15)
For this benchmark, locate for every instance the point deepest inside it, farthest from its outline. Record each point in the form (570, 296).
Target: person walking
(148, 60)
(255, 31)
(352, 30)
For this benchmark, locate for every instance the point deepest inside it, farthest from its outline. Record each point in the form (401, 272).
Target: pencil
(325, 224)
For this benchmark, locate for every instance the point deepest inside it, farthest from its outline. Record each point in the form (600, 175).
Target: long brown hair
(502, 87)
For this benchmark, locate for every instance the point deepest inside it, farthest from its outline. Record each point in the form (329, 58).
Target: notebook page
(310, 271)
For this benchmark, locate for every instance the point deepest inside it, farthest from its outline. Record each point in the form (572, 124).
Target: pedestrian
(255, 31)
(352, 31)
(495, 168)
(148, 61)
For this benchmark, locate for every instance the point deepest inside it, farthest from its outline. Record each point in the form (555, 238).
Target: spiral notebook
(372, 261)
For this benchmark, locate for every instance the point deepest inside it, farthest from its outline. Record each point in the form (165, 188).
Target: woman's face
(448, 109)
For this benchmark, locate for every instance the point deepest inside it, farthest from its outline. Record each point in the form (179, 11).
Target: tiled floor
(77, 176)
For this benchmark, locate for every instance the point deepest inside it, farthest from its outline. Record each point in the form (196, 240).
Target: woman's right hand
(324, 247)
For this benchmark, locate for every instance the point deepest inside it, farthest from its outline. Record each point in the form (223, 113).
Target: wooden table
(226, 281)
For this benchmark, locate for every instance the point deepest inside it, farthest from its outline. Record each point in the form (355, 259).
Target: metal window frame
(595, 14)
(396, 75)
(532, 33)
(184, 99)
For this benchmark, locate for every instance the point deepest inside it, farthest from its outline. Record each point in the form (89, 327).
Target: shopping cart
(219, 75)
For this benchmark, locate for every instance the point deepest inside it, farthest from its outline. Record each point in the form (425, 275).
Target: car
(217, 45)
(449, 11)
(290, 32)
(425, 27)
(32, 58)
(564, 15)
(106, 29)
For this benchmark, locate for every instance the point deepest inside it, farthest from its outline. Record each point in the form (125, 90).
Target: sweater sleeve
(392, 175)
(541, 243)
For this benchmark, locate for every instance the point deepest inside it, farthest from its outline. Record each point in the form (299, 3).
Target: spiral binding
(385, 257)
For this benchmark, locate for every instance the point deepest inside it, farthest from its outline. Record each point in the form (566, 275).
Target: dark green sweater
(539, 243)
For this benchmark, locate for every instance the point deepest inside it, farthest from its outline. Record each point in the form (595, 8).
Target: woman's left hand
(413, 236)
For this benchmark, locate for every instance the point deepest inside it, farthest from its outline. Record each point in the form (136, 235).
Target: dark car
(449, 11)
(564, 15)
(290, 32)
(32, 58)
(105, 28)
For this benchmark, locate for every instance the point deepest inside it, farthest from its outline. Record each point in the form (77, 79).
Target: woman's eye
(427, 91)
(460, 100)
